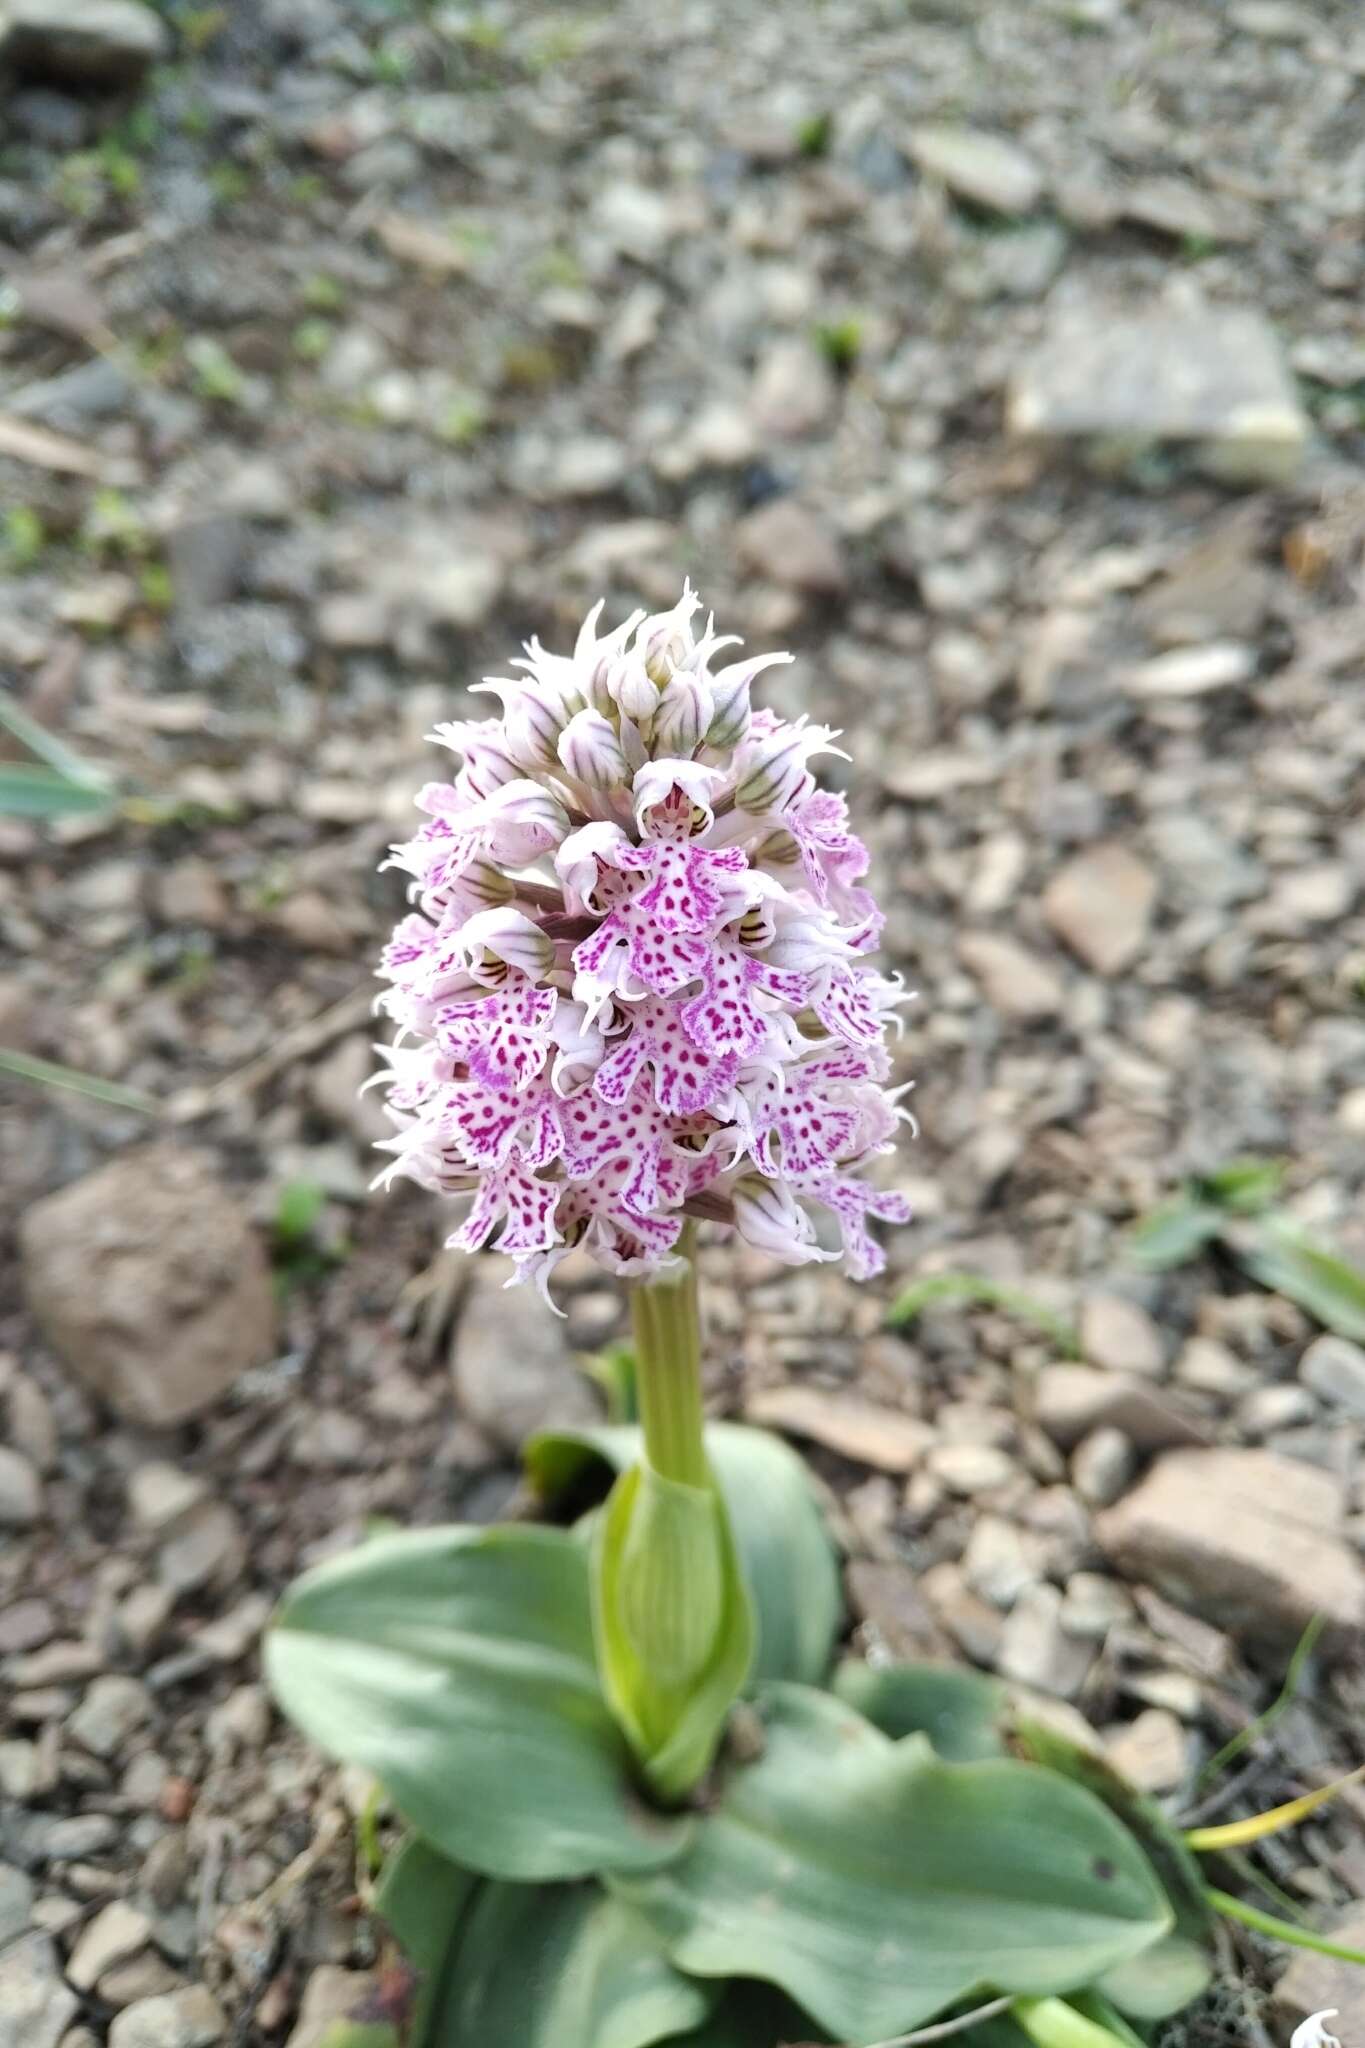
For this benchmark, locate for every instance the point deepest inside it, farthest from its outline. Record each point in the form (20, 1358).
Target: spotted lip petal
(667, 1001)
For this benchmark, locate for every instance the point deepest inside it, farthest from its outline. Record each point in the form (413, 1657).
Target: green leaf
(30, 790)
(457, 1666)
(785, 1555)
(544, 1966)
(979, 1287)
(562, 1966)
(422, 1897)
(1174, 1233)
(1169, 1974)
(878, 1886)
(1246, 1186)
(1281, 1930)
(675, 1631)
(1279, 1253)
(1163, 1980)
(959, 1710)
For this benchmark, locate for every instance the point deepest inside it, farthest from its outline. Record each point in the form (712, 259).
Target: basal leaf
(878, 1886)
(421, 1896)
(457, 1666)
(959, 1710)
(785, 1554)
(541, 1966)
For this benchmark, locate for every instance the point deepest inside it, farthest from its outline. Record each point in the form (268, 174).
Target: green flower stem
(667, 1332)
(1052, 2023)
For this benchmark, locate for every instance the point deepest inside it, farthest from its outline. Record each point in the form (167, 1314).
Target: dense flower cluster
(635, 985)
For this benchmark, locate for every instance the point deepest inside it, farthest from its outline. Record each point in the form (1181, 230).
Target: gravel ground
(1005, 363)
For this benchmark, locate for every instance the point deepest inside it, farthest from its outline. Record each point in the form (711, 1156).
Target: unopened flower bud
(590, 752)
(631, 691)
(684, 713)
(730, 689)
(665, 641)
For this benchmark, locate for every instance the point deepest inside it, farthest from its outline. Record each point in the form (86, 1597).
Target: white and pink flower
(634, 985)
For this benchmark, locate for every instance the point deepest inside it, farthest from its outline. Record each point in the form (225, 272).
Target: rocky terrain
(1006, 363)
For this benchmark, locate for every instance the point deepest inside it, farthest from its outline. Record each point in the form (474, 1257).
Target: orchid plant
(644, 1799)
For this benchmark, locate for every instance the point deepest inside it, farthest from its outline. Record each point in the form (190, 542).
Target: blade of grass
(48, 1074)
(1280, 1930)
(1235, 1834)
(28, 789)
(47, 747)
(978, 1287)
(1283, 1700)
(1278, 1254)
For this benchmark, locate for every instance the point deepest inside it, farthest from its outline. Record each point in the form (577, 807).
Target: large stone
(36, 2008)
(985, 169)
(1248, 1540)
(82, 42)
(1325, 1984)
(1100, 905)
(148, 1280)
(513, 1370)
(1211, 378)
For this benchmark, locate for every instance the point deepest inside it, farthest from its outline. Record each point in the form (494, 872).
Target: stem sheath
(667, 1332)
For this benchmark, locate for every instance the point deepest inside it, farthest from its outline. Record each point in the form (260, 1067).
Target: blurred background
(1005, 362)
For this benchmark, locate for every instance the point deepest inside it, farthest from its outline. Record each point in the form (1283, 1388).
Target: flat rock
(1152, 1752)
(331, 1994)
(21, 1491)
(896, 1617)
(512, 1367)
(1212, 379)
(790, 545)
(1121, 1337)
(114, 1934)
(36, 2007)
(857, 1429)
(113, 1709)
(1036, 1650)
(1244, 1538)
(793, 390)
(82, 42)
(986, 169)
(1013, 980)
(1069, 1401)
(1335, 1368)
(149, 1281)
(16, 1902)
(191, 2018)
(1100, 905)
(1314, 1983)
